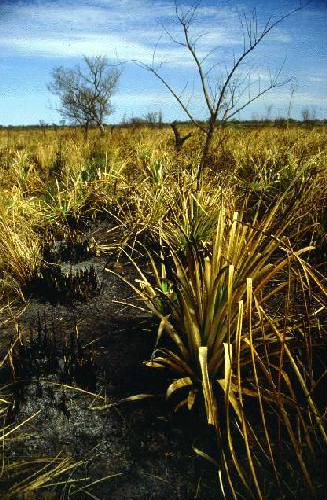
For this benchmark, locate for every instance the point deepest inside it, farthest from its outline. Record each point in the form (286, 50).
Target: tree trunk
(86, 131)
(179, 140)
(102, 129)
(206, 149)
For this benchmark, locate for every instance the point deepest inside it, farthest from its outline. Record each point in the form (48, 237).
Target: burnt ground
(133, 450)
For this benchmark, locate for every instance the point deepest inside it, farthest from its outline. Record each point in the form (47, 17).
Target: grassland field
(122, 270)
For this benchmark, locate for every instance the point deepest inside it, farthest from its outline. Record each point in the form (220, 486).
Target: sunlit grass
(230, 279)
(215, 307)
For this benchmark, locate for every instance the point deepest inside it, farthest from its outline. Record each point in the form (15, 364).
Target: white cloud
(316, 79)
(281, 97)
(145, 99)
(151, 97)
(75, 45)
(130, 28)
(280, 36)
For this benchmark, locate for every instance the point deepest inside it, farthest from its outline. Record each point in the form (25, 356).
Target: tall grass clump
(231, 338)
(20, 244)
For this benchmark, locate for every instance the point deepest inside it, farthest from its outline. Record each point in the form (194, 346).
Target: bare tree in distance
(85, 92)
(290, 104)
(268, 111)
(231, 91)
(154, 118)
(309, 114)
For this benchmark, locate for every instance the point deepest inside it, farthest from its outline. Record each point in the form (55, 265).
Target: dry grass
(232, 284)
(214, 307)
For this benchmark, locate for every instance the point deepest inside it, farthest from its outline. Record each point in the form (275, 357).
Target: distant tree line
(135, 121)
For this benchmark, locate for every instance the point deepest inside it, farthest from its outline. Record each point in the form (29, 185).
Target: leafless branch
(259, 94)
(173, 93)
(225, 99)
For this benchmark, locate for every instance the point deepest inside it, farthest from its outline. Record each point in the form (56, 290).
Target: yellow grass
(226, 252)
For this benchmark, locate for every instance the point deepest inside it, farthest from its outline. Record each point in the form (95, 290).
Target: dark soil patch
(129, 450)
(141, 447)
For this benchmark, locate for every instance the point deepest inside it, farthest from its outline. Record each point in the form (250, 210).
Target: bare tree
(85, 92)
(305, 114)
(154, 118)
(309, 114)
(290, 104)
(268, 111)
(229, 92)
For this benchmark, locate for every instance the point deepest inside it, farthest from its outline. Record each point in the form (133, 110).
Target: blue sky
(37, 35)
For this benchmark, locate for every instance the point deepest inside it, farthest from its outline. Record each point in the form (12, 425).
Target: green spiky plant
(230, 350)
(31, 164)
